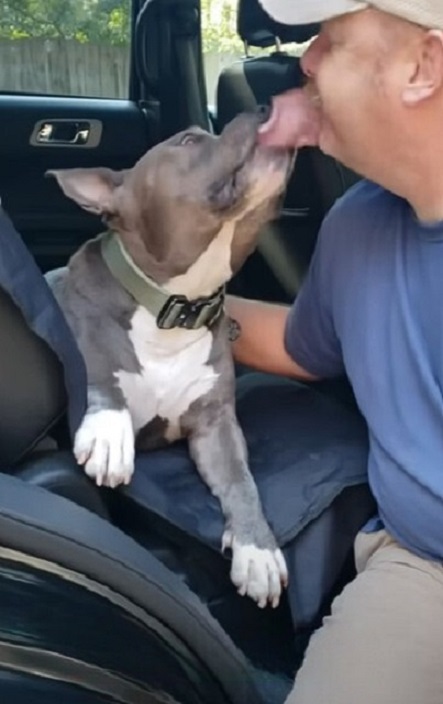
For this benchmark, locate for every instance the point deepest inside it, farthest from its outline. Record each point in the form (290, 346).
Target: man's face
(373, 100)
(351, 65)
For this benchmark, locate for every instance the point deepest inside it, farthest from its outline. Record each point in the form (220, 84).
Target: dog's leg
(220, 453)
(104, 442)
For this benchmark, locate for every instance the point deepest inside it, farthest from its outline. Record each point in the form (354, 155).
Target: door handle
(62, 132)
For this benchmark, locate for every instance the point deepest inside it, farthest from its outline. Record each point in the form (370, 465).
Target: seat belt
(168, 41)
(187, 43)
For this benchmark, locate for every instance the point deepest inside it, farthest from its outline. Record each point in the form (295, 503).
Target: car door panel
(51, 225)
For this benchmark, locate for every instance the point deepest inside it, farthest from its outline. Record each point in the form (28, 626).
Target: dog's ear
(92, 189)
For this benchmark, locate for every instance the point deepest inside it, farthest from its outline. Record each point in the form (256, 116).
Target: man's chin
(333, 148)
(327, 144)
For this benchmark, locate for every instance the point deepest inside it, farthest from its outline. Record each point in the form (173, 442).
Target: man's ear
(427, 77)
(92, 189)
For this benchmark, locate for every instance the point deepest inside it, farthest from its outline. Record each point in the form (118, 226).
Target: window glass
(65, 47)
(221, 44)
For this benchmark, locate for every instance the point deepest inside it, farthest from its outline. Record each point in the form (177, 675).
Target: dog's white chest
(174, 371)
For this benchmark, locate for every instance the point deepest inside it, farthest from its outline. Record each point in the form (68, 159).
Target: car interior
(102, 599)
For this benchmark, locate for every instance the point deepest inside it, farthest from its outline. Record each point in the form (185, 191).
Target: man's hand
(260, 344)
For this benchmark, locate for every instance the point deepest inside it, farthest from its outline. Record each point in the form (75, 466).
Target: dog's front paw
(259, 573)
(104, 444)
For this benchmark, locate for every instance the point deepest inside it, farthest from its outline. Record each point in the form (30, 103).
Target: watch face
(234, 330)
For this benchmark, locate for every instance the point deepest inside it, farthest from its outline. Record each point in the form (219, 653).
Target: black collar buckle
(180, 312)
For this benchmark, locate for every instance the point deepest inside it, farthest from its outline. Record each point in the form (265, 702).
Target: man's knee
(382, 643)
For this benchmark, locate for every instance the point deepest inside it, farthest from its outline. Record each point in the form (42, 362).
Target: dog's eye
(188, 139)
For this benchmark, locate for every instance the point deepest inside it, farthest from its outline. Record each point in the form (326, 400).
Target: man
(372, 306)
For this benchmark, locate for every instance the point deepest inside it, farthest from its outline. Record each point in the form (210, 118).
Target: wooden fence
(67, 67)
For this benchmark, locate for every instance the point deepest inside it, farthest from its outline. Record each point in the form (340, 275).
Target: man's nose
(313, 55)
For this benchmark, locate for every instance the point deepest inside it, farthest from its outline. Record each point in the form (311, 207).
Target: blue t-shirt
(372, 306)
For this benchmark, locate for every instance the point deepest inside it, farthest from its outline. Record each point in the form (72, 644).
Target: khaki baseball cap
(428, 13)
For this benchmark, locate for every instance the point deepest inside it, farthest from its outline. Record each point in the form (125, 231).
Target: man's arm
(261, 341)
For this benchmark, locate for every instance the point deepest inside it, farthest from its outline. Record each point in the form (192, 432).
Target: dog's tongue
(294, 121)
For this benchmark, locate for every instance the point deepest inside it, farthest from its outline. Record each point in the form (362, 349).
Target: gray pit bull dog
(145, 302)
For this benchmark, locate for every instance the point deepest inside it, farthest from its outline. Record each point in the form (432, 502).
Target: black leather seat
(101, 619)
(318, 180)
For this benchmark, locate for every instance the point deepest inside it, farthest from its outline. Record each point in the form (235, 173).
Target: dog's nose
(263, 112)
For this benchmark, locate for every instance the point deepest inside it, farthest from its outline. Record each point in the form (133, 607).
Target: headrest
(256, 28)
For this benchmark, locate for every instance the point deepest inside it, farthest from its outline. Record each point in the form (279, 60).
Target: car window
(221, 44)
(66, 47)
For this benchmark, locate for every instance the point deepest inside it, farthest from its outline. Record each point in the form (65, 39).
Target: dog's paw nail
(227, 541)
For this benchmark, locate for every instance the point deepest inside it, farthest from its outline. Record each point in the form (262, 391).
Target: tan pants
(383, 642)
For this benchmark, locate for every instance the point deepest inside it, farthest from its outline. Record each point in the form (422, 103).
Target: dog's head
(178, 197)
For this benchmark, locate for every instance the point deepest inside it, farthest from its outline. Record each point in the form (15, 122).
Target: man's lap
(383, 642)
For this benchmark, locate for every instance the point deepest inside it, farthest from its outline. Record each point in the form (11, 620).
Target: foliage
(105, 21)
(84, 20)
(219, 26)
